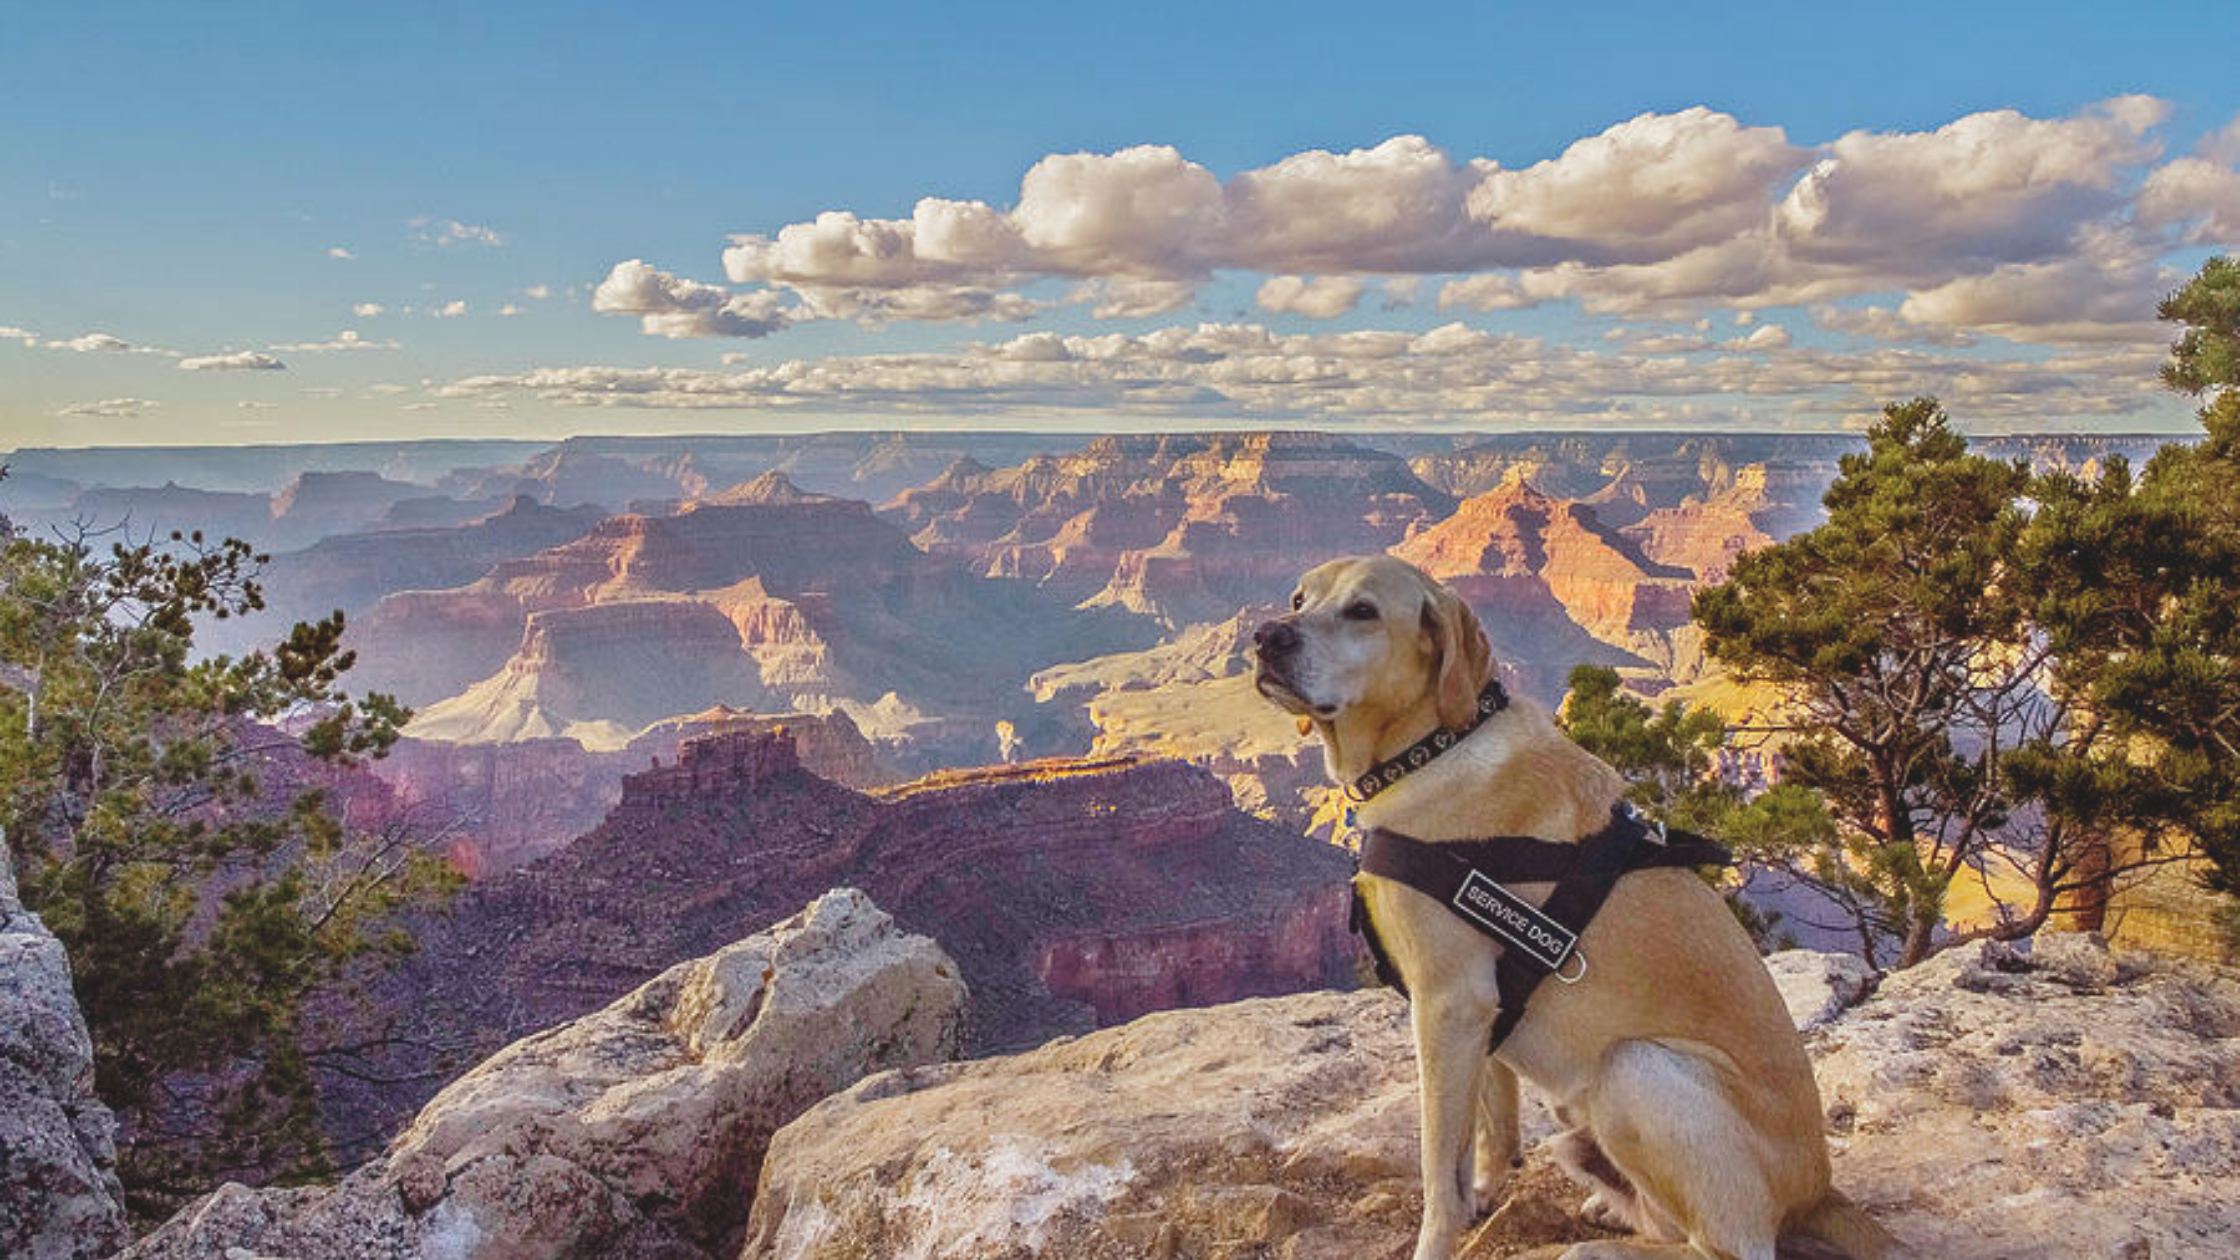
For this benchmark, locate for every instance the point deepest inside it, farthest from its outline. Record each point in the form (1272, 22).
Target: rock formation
(510, 803)
(824, 604)
(59, 1195)
(1178, 527)
(1067, 892)
(318, 504)
(634, 1133)
(1984, 1106)
(1553, 585)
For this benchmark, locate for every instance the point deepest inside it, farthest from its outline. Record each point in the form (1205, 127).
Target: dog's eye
(1360, 610)
(1298, 600)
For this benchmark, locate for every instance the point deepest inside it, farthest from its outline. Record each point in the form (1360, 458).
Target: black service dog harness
(1471, 878)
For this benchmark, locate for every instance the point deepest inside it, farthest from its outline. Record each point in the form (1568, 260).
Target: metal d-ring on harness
(1471, 878)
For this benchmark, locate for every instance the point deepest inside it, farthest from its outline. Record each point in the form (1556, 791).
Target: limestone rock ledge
(1986, 1105)
(633, 1133)
(59, 1197)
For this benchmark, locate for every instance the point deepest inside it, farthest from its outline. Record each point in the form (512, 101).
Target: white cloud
(234, 361)
(1763, 337)
(24, 335)
(1646, 189)
(671, 306)
(110, 407)
(338, 251)
(1451, 374)
(1881, 323)
(419, 406)
(538, 291)
(509, 310)
(347, 339)
(92, 343)
(1655, 216)
(1988, 189)
(323, 391)
(452, 309)
(1123, 297)
(1316, 297)
(447, 232)
(367, 310)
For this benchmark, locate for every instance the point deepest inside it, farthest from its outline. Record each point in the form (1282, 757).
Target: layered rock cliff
(1011, 868)
(508, 803)
(826, 606)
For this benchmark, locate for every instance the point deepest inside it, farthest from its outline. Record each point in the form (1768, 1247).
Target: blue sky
(1637, 215)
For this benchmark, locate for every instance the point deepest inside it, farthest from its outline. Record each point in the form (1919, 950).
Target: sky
(234, 223)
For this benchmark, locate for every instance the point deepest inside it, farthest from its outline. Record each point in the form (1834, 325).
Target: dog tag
(1514, 920)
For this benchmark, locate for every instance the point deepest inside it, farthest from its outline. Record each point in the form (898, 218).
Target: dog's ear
(1461, 660)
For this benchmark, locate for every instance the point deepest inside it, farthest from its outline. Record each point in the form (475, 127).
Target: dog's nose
(1276, 638)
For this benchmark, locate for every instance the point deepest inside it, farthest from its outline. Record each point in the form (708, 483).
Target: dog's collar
(1419, 754)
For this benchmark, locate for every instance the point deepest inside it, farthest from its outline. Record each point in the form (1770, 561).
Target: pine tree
(198, 912)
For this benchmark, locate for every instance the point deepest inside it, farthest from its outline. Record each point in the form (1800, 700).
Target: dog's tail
(1835, 1229)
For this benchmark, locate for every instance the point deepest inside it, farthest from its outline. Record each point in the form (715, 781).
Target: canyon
(1071, 893)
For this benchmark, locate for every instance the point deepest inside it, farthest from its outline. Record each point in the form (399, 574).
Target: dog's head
(1375, 637)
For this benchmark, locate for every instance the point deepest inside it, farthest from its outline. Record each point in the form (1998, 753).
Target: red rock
(1018, 871)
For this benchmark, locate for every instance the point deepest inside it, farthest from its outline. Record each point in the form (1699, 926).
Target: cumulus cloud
(671, 306)
(367, 310)
(1654, 216)
(1122, 297)
(1647, 189)
(347, 339)
(2199, 196)
(1991, 188)
(1763, 337)
(447, 232)
(235, 361)
(110, 407)
(452, 309)
(538, 291)
(1316, 297)
(24, 335)
(338, 251)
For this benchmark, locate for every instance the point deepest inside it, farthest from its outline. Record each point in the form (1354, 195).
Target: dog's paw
(1603, 1212)
(1488, 1191)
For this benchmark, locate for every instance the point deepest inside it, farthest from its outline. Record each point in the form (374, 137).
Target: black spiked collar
(1420, 753)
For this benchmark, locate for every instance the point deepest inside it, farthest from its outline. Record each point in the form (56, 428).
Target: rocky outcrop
(634, 1133)
(2065, 1103)
(1817, 987)
(59, 1195)
(1983, 1106)
(1282, 1127)
(1001, 865)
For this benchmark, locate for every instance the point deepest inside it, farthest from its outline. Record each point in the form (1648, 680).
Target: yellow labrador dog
(1694, 1119)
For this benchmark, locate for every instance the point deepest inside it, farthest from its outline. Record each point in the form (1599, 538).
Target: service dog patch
(1515, 920)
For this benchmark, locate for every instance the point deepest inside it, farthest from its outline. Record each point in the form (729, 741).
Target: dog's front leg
(1499, 1147)
(1451, 1032)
